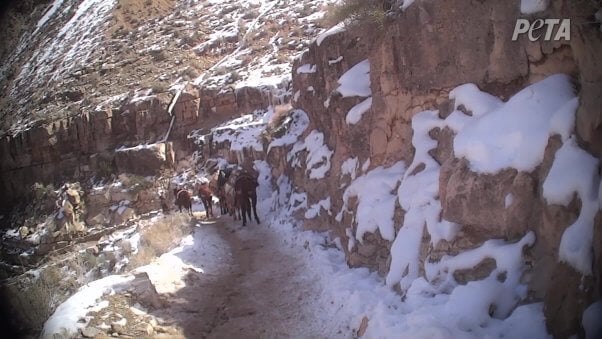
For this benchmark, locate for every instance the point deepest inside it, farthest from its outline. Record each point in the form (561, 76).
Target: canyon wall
(86, 144)
(427, 51)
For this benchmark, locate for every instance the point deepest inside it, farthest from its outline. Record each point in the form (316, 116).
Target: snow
(515, 134)
(298, 124)
(242, 137)
(351, 237)
(575, 171)
(356, 81)
(318, 158)
(156, 147)
(591, 320)
(315, 209)
(307, 68)
(71, 46)
(168, 272)
(355, 114)
(479, 102)
(49, 13)
(432, 309)
(12, 233)
(335, 61)
(405, 4)
(242, 133)
(67, 315)
(376, 204)
(366, 165)
(318, 155)
(418, 196)
(340, 27)
(508, 200)
(563, 121)
(533, 6)
(349, 166)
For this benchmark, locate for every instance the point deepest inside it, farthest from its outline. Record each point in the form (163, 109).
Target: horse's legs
(245, 207)
(222, 206)
(208, 207)
(243, 211)
(248, 208)
(254, 206)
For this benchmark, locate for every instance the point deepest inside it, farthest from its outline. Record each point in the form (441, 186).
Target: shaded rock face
(84, 145)
(146, 160)
(500, 206)
(468, 42)
(317, 95)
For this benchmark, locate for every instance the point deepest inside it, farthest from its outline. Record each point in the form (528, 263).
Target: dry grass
(127, 14)
(36, 303)
(280, 113)
(276, 126)
(367, 14)
(160, 237)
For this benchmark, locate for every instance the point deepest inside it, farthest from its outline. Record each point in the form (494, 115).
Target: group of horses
(235, 190)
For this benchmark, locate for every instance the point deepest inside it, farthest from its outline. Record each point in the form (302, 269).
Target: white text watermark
(549, 29)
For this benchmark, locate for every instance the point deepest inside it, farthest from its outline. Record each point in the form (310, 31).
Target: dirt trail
(250, 287)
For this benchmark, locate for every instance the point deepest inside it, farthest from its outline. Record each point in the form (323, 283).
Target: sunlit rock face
(408, 76)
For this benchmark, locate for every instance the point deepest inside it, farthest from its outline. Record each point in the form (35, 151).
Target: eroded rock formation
(428, 50)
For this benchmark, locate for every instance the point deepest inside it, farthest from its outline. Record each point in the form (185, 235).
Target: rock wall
(85, 145)
(428, 50)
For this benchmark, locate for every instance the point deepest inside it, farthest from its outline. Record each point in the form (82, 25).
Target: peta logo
(534, 30)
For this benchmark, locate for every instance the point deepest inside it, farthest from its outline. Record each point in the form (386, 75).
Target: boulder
(144, 292)
(142, 159)
(98, 219)
(499, 205)
(123, 214)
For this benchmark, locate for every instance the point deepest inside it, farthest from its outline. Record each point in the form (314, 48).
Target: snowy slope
(78, 47)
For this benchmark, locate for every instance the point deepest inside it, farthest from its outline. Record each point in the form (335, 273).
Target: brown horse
(206, 194)
(246, 195)
(183, 199)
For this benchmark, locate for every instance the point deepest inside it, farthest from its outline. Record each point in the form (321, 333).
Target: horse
(183, 199)
(163, 203)
(217, 184)
(205, 193)
(241, 195)
(245, 186)
(229, 194)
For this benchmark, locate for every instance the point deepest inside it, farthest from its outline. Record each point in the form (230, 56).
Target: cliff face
(429, 50)
(384, 153)
(80, 78)
(85, 145)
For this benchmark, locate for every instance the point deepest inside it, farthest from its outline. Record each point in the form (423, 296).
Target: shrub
(159, 237)
(278, 124)
(369, 14)
(159, 88)
(189, 73)
(36, 303)
(137, 183)
(105, 169)
(41, 191)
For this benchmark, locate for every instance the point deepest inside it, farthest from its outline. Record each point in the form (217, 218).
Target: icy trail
(246, 283)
